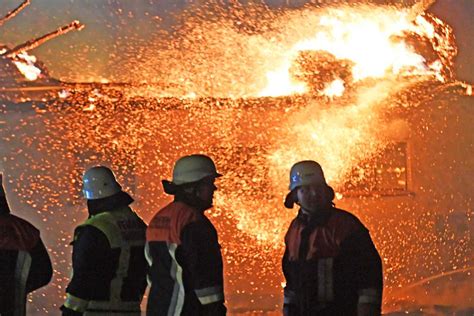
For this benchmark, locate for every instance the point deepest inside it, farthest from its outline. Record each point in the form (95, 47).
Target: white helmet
(193, 168)
(306, 172)
(99, 182)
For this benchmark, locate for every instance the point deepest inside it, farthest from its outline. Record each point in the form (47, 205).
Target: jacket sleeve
(204, 260)
(90, 251)
(289, 294)
(41, 268)
(368, 267)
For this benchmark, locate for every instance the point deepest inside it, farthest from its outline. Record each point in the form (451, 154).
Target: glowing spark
(63, 94)
(90, 108)
(469, 90)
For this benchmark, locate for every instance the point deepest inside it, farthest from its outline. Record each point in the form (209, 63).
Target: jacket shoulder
(168, 223)
(17, 233)
(175, 211)
(346, 222)
(110, 224)
(24, 223)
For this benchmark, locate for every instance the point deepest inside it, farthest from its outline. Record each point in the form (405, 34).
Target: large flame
(217, 59)
(372, 39)
(367, 54)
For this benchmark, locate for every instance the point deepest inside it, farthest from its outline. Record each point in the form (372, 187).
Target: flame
(354, 43)
(371, 39)
(26, 65)
(356, 57)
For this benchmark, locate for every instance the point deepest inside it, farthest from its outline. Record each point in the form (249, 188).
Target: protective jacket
(330, 265)
(24, 262)
(109, 266)
(186, 263)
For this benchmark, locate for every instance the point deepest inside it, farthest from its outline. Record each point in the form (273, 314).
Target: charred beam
(14, 12)
(31, 44)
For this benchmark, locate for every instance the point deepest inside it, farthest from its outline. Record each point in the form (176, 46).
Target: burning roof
(20, 71)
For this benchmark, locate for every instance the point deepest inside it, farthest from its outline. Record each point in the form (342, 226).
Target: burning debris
(18, 69)
(14, 12)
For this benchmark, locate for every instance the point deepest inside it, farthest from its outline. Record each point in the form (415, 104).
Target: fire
(350, 60)
(26, 65)
(334, 89)
(371, 38)
(351, 43)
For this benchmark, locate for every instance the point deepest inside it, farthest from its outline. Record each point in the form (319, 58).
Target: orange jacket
(186, 263)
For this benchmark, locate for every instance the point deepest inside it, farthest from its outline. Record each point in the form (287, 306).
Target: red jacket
(186, 263)
(24, 262)
(330, 265)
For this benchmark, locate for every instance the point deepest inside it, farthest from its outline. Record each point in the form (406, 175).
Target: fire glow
(26, 65)
(374, 41)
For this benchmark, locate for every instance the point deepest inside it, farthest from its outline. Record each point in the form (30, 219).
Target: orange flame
(372, 39)
(26, 65)
(375, 42)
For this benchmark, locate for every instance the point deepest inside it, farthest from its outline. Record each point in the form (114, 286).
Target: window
(385, 174)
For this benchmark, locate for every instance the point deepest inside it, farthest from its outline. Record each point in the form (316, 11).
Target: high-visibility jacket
(24, 262)
(109, 266)
(330, 265)
(185, 263)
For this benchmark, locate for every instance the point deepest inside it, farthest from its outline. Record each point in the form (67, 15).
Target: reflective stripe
(325, 280)
(177, 299)
(210, 295)
(289, 297)
(149, 259)
(370, 296)
(75, 303)
(148, 256)
(22, 269)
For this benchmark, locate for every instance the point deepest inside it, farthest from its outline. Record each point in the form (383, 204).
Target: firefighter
(330, 263)
(182, 245)
(25, 265)
(108, 262)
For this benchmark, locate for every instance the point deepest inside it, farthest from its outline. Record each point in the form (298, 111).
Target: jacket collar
(320, 218)
(109, 204)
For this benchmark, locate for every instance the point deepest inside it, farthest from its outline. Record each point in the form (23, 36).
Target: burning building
(22, 77)
(366, 90)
